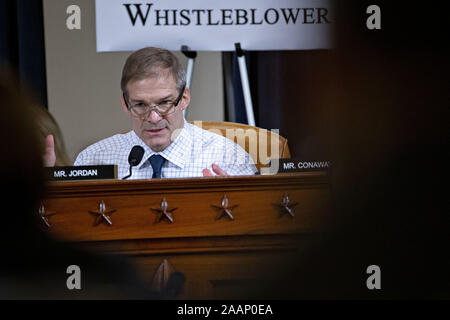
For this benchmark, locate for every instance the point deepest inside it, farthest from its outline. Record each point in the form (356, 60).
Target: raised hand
(49, 158)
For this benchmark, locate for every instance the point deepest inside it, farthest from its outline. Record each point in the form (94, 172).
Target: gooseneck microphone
(135, 157)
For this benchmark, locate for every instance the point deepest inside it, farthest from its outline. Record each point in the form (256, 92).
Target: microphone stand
(126, 177)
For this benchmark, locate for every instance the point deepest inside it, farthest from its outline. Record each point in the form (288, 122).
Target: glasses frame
(149, 109)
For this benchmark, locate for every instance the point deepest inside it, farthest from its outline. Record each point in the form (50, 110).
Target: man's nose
(153, 117)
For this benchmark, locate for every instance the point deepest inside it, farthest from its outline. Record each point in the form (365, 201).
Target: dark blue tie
(157, 162)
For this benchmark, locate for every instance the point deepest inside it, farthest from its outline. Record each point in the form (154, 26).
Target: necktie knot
(157, 162)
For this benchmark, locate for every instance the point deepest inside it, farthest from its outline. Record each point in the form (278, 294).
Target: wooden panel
(221, 275)
(219, 258)
(257, 212)
(133, 218)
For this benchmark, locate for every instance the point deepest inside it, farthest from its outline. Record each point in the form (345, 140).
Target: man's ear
(186, 99)
(122, 103)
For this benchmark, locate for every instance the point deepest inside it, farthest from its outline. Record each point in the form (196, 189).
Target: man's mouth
(154, 131)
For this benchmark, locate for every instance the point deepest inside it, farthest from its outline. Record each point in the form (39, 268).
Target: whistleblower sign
(214, 25)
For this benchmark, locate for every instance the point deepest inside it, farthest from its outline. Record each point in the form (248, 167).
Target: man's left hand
(216, 169)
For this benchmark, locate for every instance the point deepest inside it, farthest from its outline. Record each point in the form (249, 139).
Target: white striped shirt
(192, 151)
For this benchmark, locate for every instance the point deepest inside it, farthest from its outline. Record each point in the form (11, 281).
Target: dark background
(22, 46)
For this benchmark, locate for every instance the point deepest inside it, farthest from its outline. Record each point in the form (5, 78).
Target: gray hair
(152, 62)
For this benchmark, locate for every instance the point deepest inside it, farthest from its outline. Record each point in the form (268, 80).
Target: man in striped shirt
(154, 96)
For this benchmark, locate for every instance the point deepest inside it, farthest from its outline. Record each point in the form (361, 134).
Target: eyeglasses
(142, 111)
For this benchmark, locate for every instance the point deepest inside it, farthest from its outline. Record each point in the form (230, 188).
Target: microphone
(135, 157)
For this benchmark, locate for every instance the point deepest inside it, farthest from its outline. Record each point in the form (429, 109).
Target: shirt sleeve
(80, 160)
(237, 162)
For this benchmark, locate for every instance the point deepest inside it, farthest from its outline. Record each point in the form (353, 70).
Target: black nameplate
(82, 173)
(299, 165)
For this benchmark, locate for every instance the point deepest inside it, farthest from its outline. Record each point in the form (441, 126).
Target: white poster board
(214, 25)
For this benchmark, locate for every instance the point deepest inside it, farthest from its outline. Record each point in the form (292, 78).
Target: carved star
(287, 206)
(164, 211)
(102, 214)
(45, 214)
(225, 209)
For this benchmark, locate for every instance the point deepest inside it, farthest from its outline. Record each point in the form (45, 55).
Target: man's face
(155, 130)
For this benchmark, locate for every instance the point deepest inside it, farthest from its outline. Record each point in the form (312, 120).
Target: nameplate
(82, 173)
(298, 165)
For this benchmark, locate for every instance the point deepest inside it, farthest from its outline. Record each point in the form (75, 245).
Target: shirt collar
(178, 152)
